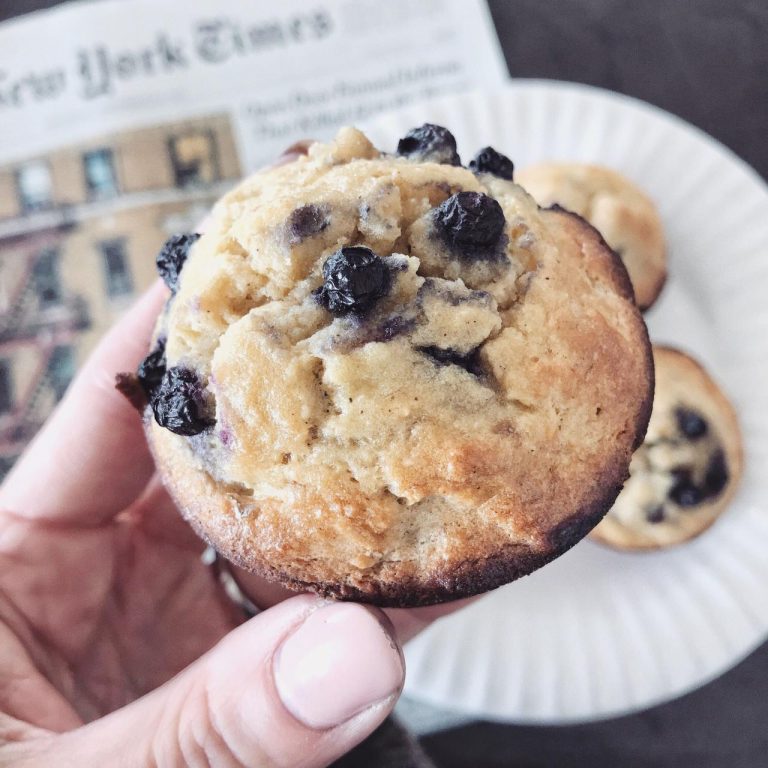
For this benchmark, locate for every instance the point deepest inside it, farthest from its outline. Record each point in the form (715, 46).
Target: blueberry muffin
(687, 470)
(390, 378)
(625, 216)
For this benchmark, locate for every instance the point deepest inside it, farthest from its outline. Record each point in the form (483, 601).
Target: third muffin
(687, 470)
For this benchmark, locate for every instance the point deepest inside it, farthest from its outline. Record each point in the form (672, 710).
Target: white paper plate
(600, 633)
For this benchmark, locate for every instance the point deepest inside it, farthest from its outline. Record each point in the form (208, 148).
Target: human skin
(118, 645)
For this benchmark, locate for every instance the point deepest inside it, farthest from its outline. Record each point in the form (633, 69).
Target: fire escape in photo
(39, 323)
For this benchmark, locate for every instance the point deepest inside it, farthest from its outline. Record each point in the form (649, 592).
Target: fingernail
(298, 148)
(339, 662)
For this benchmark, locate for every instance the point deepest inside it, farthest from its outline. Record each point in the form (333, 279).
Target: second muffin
(625, 216)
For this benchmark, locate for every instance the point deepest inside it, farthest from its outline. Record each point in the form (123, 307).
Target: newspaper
(122, 120)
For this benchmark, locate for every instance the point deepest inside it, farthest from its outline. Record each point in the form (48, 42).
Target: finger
(257, 589)
(91, 459)
(408, 622)
(298, 685)
(297, 149)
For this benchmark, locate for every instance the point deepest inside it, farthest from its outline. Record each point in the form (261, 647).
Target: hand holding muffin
(117, 644)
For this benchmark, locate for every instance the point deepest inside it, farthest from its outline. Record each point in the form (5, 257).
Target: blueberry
(431, 143)
(716, 477)
(152, 369)
(469, 362)
(684, 492)
(488, 160)
(690, 423)
(655, 514)
(472, 223)
(307, 221)
(172, 256)
(179, 403)
(354, 278)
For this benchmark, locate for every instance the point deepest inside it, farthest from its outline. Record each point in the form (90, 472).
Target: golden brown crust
(681, 381)
(623, 286)
(205, 508)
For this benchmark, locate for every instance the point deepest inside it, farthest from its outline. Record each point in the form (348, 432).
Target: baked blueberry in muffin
(172, 256)
(488, 160)
(429, 142)
(389, 378)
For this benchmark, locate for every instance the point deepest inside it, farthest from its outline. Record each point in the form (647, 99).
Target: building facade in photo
(79, 230)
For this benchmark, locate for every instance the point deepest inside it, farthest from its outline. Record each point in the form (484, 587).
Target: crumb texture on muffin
(420, 384)
(689, 466)
(622, 212)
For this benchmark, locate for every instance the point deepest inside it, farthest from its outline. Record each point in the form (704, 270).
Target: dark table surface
(706, 61)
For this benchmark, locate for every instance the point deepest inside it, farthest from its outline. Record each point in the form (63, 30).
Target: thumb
(298, 685)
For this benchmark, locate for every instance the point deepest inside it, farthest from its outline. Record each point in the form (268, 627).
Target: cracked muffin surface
(402, 382)
(689, 466)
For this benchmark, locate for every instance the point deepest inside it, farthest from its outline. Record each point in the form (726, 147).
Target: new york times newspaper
(122, 120)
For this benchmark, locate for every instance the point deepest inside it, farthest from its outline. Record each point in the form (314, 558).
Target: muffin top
(388, 377)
